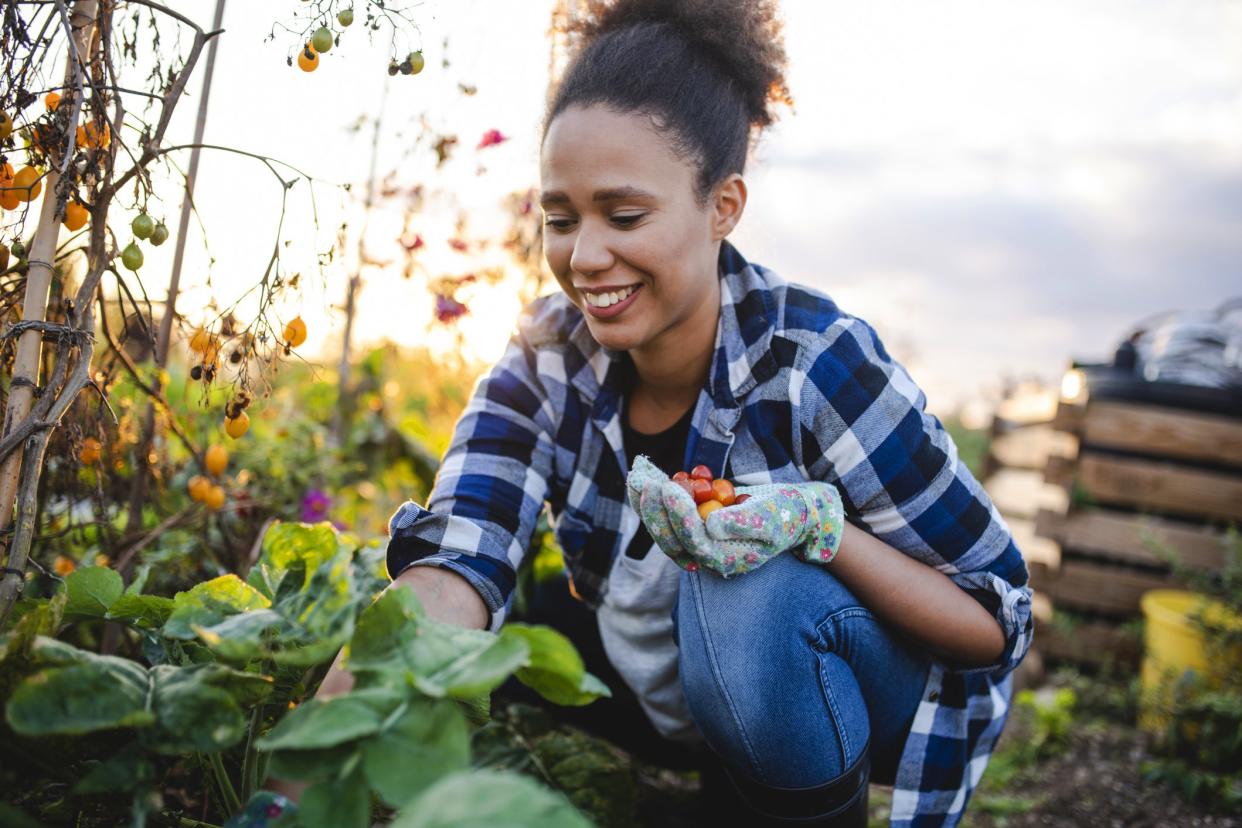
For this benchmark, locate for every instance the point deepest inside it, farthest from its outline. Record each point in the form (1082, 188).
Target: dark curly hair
(706, 71)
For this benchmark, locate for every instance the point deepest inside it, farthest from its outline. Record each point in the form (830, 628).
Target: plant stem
(231, 802)
(250, 764)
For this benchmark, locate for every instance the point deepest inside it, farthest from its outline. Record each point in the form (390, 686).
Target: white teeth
(604, 300)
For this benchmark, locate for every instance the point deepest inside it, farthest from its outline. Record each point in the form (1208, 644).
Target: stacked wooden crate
(1141, 476)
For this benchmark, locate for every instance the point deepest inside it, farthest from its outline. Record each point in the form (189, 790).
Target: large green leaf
(484, 799)
(91, 590)
(394, 637)
(209, 603)
(555, 669)
(336, 803)
(191, 714)
(293, 547)
(320, 723)
(82, 698)
(428, 741)
(148, 612)
(315, 765)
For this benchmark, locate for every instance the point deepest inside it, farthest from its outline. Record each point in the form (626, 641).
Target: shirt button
(933, 696)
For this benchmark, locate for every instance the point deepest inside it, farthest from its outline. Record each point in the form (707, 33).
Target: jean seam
(710, 651)
(829, 697)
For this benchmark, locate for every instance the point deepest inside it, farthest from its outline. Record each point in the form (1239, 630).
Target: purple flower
(448, 309)
(315, 505)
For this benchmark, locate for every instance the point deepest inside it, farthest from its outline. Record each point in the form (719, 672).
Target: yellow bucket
(1174, 643)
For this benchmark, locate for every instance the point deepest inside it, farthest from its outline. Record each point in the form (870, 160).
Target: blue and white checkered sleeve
(490, 488)
(898, 469)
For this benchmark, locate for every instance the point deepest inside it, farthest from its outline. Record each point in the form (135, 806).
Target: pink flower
(730, 560)
(491, 138)
(448, 309)
(751, 557)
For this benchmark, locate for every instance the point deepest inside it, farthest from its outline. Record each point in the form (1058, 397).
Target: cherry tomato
(709, 506)
(722, 490)
(322, 39)
(740, 499)
(416, 62)
(345, 17)
(159, 235)
(685, 484)
(131, 256)
(700, 489)
(702, 472)
(143, 226)
(679, 476)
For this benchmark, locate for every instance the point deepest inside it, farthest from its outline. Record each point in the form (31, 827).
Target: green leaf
(314, 765)
(91, 591)
(209, 603)
(293, 547)
(147, 612)
(191, 714)
(394, 637)
(343, 803)
(385, 630)
(430, 740)
(555, 670)
(323, 723)
(97, 695)
(482, 799)
(122, 773)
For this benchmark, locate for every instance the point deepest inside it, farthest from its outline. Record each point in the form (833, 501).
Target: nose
(591, 254)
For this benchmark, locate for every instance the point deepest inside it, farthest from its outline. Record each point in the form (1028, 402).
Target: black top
(667, 450)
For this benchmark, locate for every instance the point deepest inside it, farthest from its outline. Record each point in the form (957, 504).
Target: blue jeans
(790, 679)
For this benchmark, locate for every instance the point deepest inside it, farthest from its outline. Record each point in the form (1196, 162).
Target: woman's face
(624, 235)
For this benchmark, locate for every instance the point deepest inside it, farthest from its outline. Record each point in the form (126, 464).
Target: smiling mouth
(606, 299)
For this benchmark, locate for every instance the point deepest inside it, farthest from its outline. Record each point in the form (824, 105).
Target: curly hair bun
(742, 37)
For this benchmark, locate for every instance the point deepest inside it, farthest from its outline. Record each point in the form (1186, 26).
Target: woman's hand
(805, 517)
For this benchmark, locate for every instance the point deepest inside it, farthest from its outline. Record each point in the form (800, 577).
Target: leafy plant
(232, 661)
(1201, 741)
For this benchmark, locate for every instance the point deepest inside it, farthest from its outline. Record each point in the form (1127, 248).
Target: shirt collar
(742, 356)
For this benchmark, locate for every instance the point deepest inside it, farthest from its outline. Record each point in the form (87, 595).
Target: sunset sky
(997, 188)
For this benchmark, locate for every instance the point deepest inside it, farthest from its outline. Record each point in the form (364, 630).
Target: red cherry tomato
(701, 489)
(701, 472)
(722, 490)
(680, 476)
(740, 499)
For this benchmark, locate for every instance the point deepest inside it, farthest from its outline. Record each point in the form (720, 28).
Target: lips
(608, 304)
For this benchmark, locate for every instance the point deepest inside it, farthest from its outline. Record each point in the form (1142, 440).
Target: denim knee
(759, 678)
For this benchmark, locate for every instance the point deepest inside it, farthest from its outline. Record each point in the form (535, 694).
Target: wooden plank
(1123, 537)
(1164, 487)
(1101, 588)
(1015, 492)
(1026, 405)
(1029, 448)
(1069, 417)
(1171, 432)
(1089, 642)
(1059, 470)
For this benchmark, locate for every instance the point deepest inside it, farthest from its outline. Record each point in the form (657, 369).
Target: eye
(628, 220)
(559, 224)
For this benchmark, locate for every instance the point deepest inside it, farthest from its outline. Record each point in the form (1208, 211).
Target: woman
(891, 662)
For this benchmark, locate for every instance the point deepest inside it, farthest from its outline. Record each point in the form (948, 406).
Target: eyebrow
(610, 194)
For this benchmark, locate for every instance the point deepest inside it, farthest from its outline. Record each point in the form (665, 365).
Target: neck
(672, 369)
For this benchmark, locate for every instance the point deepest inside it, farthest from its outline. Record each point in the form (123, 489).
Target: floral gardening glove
(264, 810)
(806, 517)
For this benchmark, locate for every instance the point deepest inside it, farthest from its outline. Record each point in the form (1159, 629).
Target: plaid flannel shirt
(798, 390)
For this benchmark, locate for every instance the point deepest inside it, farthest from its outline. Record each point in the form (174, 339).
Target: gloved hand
(265, 809)
(805, 517)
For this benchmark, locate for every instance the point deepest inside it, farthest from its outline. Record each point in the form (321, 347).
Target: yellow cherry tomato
(216, 460)
(214, 498)
(90, 451)
(236, 426)
(198, 487)
(76, 216)
(308, 59)
(295, 332)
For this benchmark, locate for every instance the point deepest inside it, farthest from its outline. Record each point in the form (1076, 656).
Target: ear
(727, 203)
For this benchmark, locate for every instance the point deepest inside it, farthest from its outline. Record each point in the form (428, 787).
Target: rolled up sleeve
(866, 430)
(490, 488)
